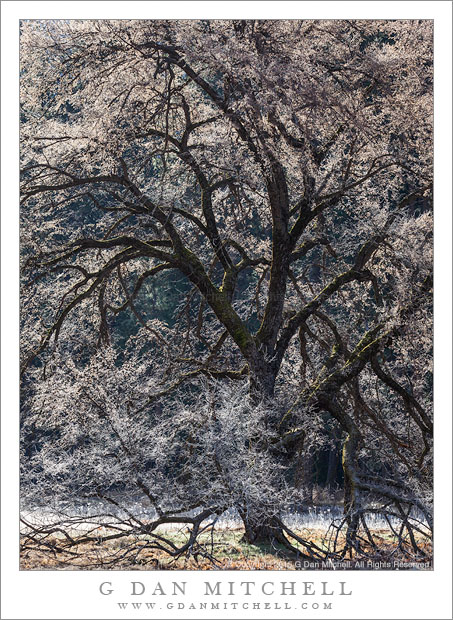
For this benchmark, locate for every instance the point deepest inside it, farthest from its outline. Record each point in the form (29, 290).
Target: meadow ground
(227, 547)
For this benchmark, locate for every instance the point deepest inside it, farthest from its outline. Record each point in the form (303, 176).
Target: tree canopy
(276, 176)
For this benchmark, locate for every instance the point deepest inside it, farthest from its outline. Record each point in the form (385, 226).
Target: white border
(61, 594)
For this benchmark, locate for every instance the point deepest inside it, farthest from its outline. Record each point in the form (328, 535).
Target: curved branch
(422, 420)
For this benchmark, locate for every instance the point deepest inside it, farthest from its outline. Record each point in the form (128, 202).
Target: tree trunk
(307, 482)
(332, 466)
(352, 499)
(262, 380)
(260, 528)
(260, 523)
(265, 530)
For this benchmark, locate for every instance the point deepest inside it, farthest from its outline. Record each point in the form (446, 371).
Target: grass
(227, 546)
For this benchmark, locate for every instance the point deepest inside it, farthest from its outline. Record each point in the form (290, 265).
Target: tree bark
(262, 378)
(261, 525)
(308, 478)
(261, 529)
(332, 465)
(333, 459)
(352, 503)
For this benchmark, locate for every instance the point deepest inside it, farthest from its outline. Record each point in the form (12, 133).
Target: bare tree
(282, 169)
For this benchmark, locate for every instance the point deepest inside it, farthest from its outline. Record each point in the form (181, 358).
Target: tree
(278, 174)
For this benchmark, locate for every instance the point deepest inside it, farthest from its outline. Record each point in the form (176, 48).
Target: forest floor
(228, 548)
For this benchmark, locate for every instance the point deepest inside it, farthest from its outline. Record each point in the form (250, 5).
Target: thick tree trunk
(262, 379)
(269, 532)
(261, 529)
(260, 523)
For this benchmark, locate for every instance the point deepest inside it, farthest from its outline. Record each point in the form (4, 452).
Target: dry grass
(231, 553)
